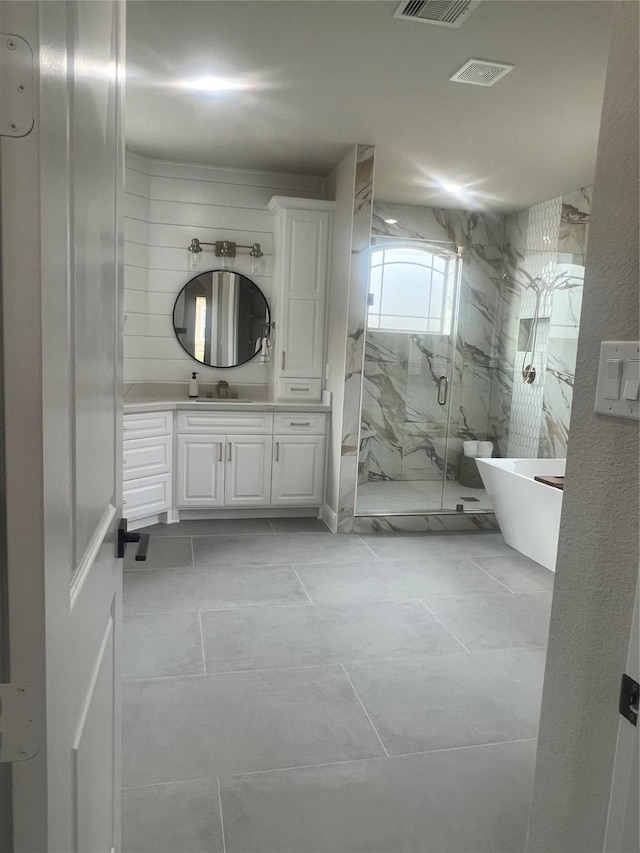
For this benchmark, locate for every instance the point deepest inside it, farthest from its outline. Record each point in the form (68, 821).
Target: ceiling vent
(479, 72)
(445, 13)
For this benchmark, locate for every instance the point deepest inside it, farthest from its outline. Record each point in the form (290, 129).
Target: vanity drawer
(300, 423)
(300, 389)
(220, 423)
(147, 425)
(147, 496)
(144, 457)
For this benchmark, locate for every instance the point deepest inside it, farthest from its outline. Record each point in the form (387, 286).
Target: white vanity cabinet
(302, 243)
(147, 464)
(242, 461)
(249, 460)
(298, 459)
(221, 470)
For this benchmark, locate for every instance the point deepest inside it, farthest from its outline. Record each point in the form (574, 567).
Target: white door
(200, 471)
(623, 822)
(61, 307)
(248, 477)
(298, 470)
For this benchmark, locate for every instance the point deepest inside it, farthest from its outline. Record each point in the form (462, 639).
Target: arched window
(411, 289)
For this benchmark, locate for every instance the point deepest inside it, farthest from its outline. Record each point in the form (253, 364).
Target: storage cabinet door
(303, 342)
(298, 470)
(248, 477)
(200, 471)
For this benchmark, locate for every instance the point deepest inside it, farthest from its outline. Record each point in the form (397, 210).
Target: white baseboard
(329, 517)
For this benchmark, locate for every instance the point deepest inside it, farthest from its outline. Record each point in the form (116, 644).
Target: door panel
(248, 477)
(94, 754)
(93, 130)
(303, 338)
(200, 471)
(298, 470)
(61, 307)
(308, 237)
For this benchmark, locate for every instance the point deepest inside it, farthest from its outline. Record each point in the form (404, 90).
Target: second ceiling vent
(480, 72)
(445, 13)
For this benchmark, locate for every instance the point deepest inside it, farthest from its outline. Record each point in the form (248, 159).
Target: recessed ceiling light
(215, 84)
(452, 188)
(391, 221)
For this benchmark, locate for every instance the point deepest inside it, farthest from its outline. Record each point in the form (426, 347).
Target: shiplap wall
(166, 205)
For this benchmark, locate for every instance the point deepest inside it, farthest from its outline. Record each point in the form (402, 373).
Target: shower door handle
(443, 389)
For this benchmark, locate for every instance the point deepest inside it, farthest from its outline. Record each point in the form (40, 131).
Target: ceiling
(314, 78)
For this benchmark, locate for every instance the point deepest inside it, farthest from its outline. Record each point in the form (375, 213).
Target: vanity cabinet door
(248, 477)
(200, 470)
(298, 470)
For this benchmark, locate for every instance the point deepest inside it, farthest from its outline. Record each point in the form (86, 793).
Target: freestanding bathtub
(528, 512)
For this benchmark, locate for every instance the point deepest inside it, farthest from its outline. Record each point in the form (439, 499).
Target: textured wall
(598, 552)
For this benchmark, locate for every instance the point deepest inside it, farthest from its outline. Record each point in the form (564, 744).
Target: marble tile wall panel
(555, 244)
(574, 224)
(436, 523)
(356, 315)
(429, 357)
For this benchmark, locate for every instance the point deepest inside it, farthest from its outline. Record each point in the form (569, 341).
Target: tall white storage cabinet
(302, 243)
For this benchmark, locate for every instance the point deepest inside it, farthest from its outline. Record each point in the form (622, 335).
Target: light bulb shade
(256, 265)
(194, 261)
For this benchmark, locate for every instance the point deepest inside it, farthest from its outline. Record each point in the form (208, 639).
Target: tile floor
(291, 691)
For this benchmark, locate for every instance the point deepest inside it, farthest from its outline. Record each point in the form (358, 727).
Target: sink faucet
(223, 389)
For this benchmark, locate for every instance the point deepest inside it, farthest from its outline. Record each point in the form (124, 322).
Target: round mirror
(220, 318)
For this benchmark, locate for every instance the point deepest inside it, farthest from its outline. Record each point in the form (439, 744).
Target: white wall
(166, 205)
(341, 187)
(598, 557)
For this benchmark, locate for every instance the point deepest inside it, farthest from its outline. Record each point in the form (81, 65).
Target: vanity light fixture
(224, 249)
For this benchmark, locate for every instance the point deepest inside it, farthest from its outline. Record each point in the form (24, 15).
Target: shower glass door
(408, 377)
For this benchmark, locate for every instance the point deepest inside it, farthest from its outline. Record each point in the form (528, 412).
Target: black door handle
(125, 538)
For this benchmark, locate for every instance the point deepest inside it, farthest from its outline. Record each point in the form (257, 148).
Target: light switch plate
(618, 357)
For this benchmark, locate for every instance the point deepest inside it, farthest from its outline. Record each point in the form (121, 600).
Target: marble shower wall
(404, 430)
(356, 313)
(548, 239)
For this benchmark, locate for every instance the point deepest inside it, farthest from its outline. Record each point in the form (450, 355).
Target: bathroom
(325, 566)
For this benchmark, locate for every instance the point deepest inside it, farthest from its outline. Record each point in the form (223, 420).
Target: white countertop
(133, 407)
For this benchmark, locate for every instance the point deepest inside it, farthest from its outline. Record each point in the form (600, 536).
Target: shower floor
(411, 496)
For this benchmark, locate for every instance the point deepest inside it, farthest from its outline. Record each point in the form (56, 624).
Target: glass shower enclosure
(410, 454)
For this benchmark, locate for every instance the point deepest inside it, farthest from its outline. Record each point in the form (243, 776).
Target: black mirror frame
(204, 363)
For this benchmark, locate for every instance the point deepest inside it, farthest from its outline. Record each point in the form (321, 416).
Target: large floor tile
(472, 800)
(452, 701)
(164, 554)
(162, 645)
(498, 621)
(179, 817)
(212, 527)
(182, 728)
(479, 544)
(333, 583)
(411, 546)
(299, 525)
(302, 636)
(285, 548)
(214, 588)
(518, 573)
